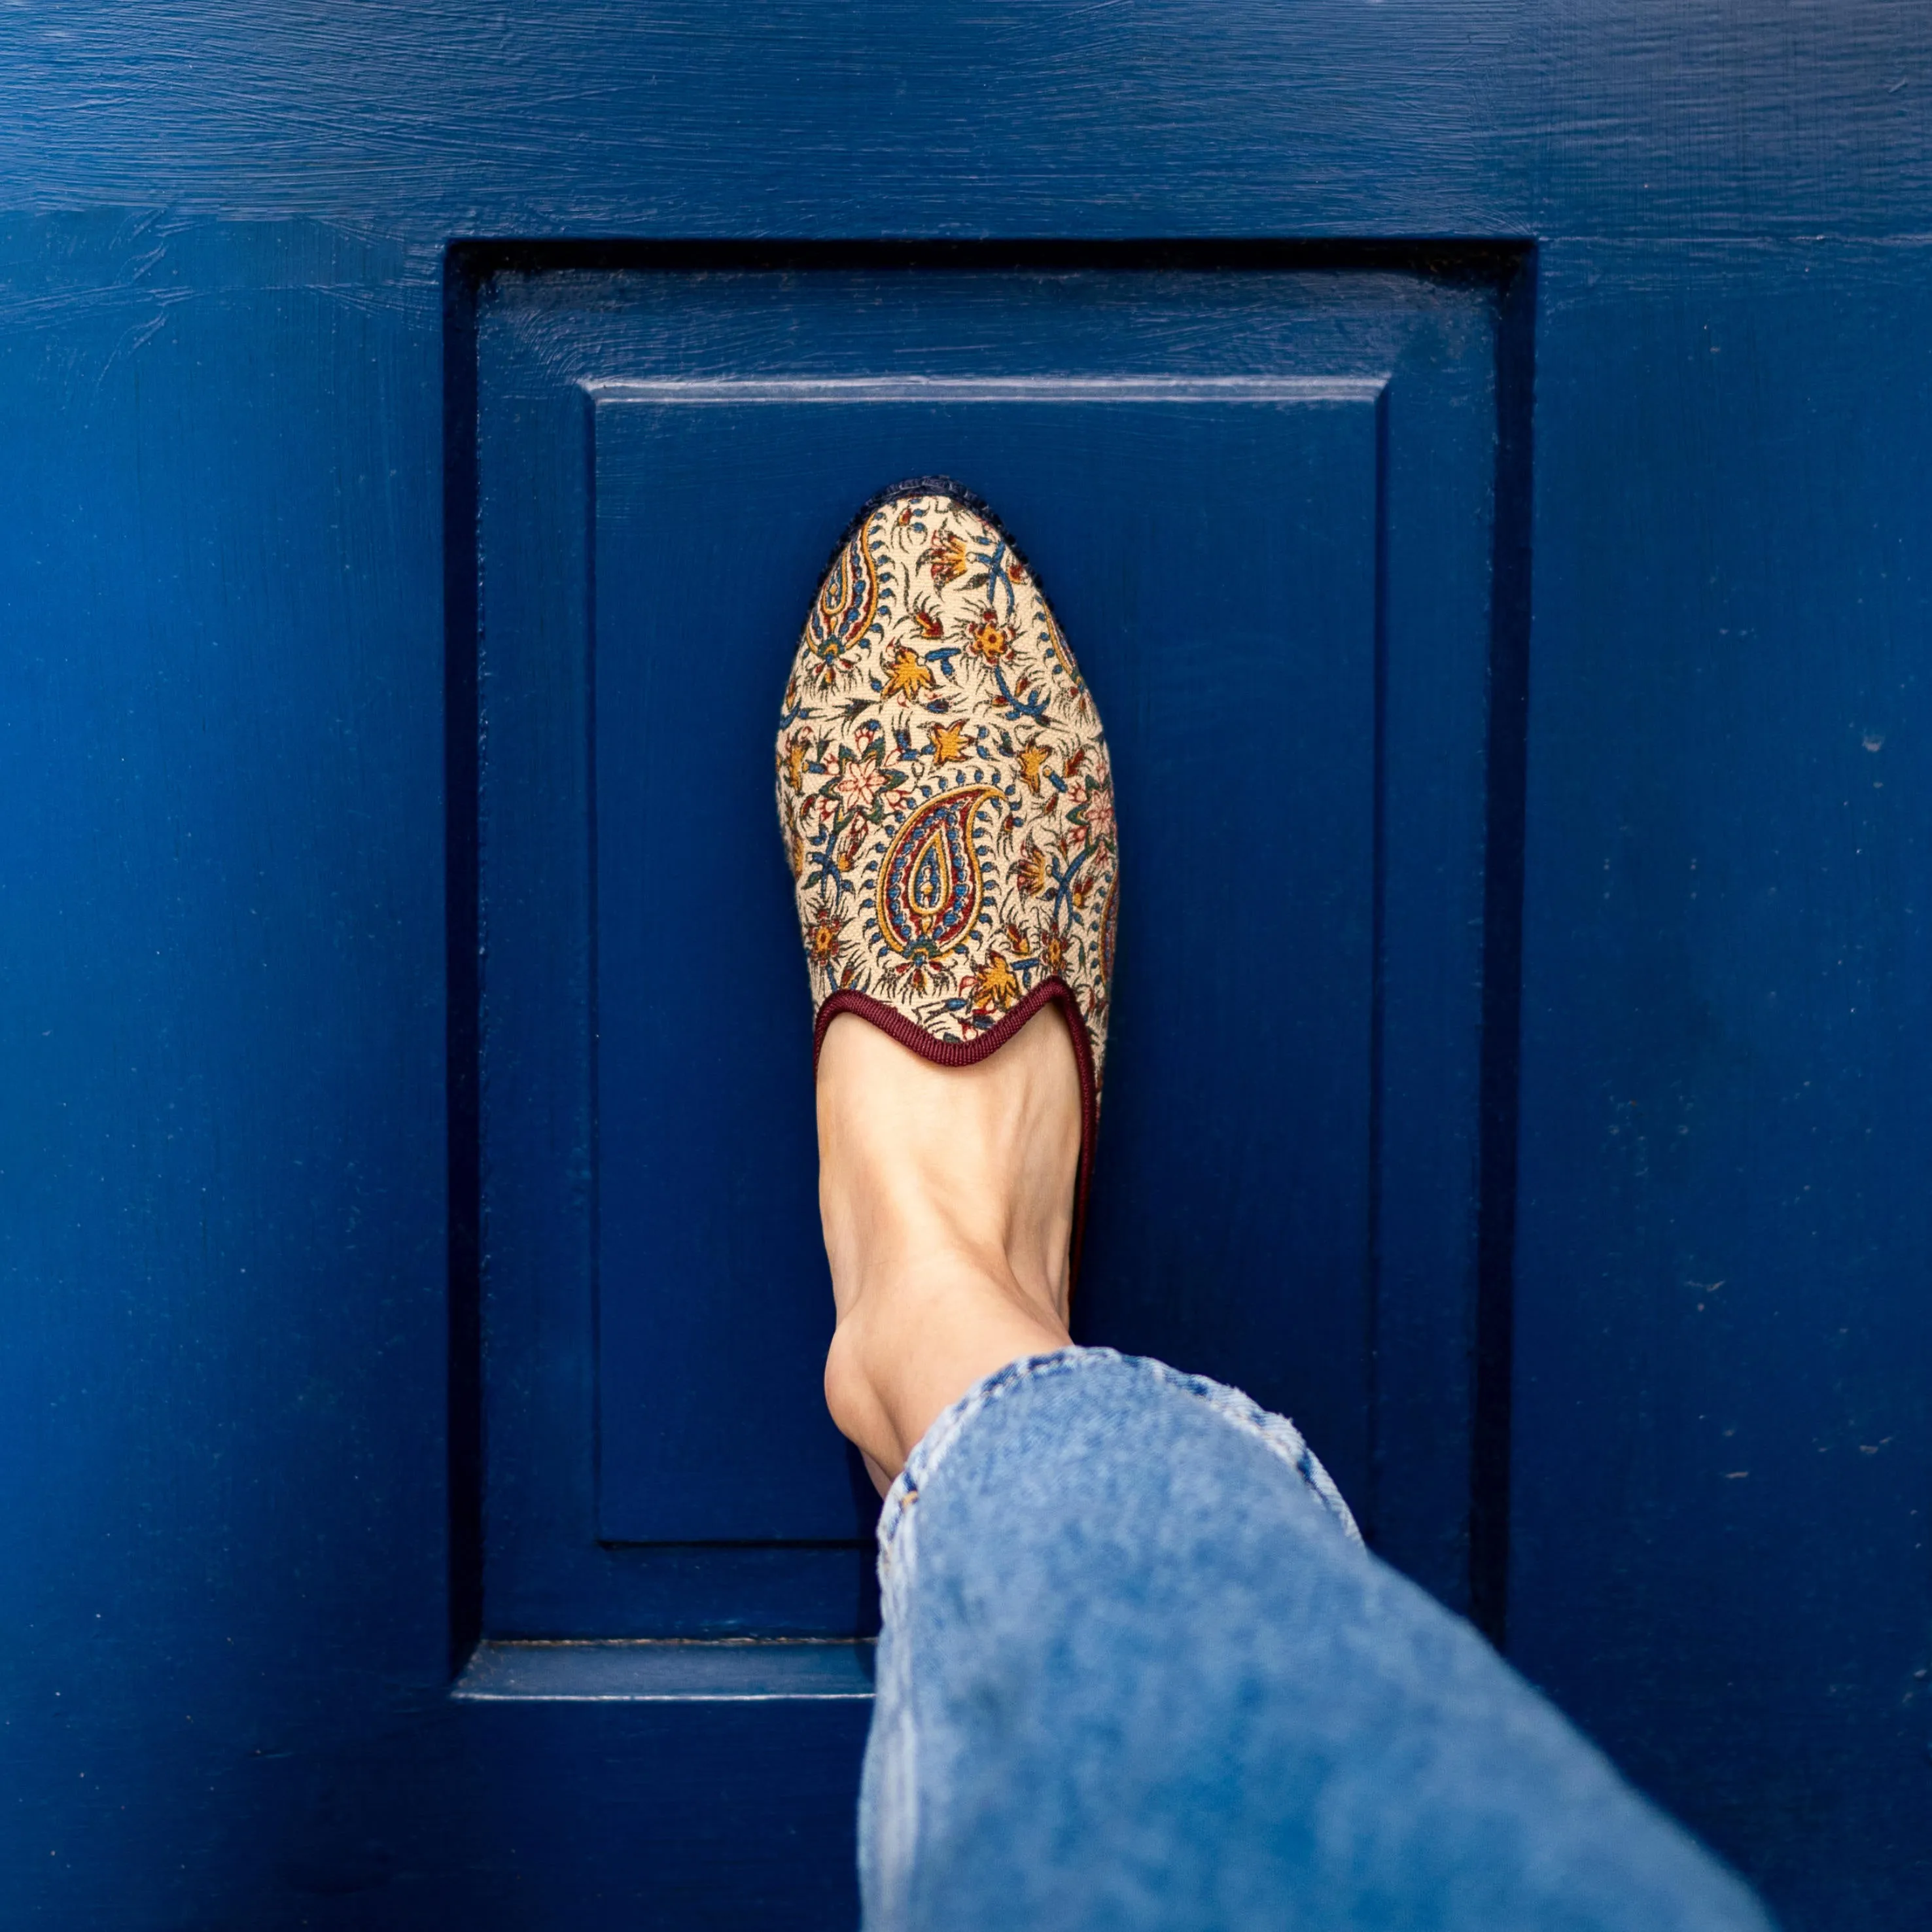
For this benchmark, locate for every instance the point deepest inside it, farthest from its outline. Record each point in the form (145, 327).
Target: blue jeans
(1139, 1671)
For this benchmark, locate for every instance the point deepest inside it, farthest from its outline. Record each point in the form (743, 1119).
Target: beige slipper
(945, 796)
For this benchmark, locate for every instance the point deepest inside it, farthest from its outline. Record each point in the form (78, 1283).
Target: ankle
(946, 1195)
(905, 1350)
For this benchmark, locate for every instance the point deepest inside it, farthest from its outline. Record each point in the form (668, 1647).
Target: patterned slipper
(945, 796)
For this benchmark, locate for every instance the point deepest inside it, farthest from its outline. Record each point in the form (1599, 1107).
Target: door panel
(1196, 546)
(1261, 504)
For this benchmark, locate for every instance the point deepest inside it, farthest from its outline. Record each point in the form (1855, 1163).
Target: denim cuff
(1276, 1432)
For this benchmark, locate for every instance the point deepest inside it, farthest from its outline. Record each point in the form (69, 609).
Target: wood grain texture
(1490, 117)
(1724, 1456)
(222, 1211)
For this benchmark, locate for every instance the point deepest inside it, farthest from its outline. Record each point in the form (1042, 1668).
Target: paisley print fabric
(943, 783)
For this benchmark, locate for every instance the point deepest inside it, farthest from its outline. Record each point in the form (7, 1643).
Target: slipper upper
(943, 788)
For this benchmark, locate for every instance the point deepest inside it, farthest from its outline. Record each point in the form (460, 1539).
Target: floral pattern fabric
(943, 783)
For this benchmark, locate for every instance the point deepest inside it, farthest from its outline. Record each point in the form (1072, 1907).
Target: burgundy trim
(894, 1023)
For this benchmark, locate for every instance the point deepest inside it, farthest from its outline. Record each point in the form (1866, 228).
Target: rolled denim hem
(1279, 1435)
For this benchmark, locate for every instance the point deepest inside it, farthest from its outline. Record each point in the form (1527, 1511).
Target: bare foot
(946, 1195)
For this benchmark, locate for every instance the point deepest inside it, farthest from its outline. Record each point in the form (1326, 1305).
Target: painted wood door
(424, 427)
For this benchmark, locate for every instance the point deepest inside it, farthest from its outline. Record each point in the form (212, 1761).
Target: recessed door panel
(1210, 549)
(1261, 503)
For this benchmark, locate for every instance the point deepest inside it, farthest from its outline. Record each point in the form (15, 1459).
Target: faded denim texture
(1139, 1671)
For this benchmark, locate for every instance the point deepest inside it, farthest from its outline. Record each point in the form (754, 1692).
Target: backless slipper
(945, 796)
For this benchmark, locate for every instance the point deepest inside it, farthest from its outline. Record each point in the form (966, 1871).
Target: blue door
(1480, 459)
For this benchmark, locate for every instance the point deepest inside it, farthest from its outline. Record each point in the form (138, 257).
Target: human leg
(1137, 1669)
